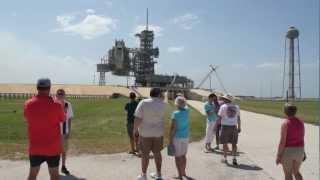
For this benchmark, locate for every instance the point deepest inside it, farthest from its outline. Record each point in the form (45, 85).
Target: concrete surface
(259, 140)
(200, 166)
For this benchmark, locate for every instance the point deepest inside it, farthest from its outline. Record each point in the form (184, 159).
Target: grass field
(99, 126)
(307, 110)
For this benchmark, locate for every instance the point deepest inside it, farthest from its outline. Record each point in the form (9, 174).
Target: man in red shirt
(43, 116)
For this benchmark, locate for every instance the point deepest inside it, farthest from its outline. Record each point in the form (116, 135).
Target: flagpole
(319, 86)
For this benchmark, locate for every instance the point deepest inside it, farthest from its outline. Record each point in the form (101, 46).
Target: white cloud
(65, 20)
(88, 27)
(24, 62)
(90, 11)
(269, 65)
(156, 29)
(108, 3)
(186, 21)
(175, 49)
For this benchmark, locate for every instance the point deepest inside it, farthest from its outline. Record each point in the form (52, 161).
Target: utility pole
(260, 90)
(210, 81)
(319, 85)
(94, 78)
(271, 90)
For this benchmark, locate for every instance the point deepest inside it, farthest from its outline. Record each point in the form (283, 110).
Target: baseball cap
(44, 83)
(132, 95)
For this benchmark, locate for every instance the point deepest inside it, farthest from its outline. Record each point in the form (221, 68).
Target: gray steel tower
(144, 60)
(293, 36)
(139, 63)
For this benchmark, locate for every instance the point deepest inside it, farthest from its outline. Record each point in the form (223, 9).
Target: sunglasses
(60, 94)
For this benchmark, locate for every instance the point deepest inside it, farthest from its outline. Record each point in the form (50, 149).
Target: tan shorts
(180, 146)
(290, 155)
(65, 142)
(154, 144)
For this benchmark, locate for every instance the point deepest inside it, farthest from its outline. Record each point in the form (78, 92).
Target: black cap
(132, 95)
(44, 83)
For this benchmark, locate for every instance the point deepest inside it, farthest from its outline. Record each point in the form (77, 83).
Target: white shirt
(152, 112)
(229, 114)
(65, 126)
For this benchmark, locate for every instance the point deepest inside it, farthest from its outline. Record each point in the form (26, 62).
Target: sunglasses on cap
(60, 94)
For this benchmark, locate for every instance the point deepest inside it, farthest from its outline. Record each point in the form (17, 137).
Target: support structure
(292, 37)
(102, 70)
(291, 68)
(144, 59)
(139, 62)
(213, 69)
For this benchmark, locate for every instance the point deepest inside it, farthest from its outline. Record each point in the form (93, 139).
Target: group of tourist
(49, 127)
(223, 121)
(145, 122)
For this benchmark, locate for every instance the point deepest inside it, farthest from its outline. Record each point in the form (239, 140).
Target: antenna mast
(147, 26)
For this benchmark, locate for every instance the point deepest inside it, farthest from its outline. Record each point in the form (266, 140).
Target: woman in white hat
(230, 127)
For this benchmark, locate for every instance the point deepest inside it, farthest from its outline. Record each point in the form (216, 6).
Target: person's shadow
(246, 167)
(220, 152)
(187, 177)
(70, 177)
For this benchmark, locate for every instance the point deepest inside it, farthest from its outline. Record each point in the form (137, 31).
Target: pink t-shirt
(295, 132)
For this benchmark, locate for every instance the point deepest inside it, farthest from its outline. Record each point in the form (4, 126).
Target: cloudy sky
(64, 40)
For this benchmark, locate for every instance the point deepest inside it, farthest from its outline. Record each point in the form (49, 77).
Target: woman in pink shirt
(291, 147)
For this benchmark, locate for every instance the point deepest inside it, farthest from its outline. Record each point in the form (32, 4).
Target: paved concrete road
(259, 139)
(201, 166)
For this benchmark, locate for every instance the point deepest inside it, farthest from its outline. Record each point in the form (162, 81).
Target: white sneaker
(141, 177)
(224, 160)
(184, 178)
(155, 176)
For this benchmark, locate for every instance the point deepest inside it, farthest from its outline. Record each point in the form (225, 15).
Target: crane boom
(206, 77)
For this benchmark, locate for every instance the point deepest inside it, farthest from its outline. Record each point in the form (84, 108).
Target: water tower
(294, 73)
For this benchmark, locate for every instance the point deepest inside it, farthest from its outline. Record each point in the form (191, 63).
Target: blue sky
(65, 39)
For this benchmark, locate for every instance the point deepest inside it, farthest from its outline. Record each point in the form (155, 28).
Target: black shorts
(229, 134)
(37, 160)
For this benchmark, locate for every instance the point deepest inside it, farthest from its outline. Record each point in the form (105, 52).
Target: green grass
(99, 127)
(307, 110)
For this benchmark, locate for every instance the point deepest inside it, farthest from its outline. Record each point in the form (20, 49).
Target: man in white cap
(230, 127)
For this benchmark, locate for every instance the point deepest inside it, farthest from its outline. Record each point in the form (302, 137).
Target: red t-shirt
(295, 132)
(43, 116)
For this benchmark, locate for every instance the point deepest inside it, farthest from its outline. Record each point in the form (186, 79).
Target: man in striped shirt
(65, 127)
